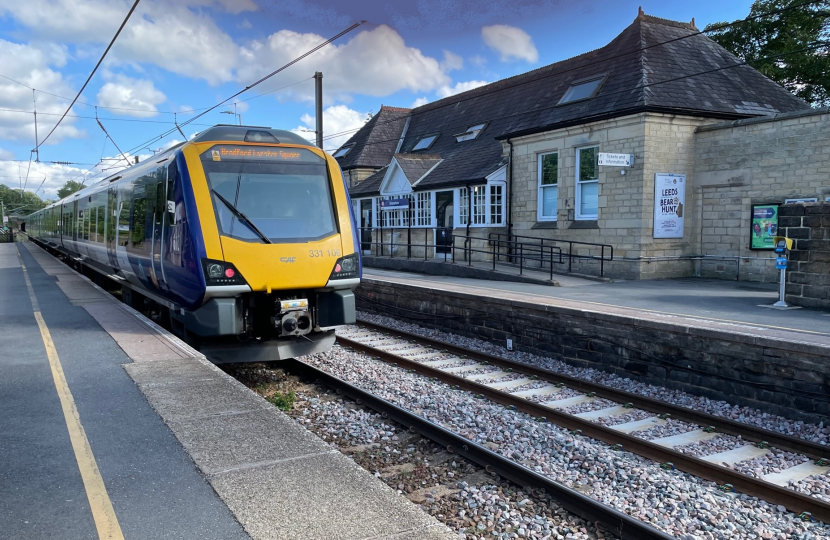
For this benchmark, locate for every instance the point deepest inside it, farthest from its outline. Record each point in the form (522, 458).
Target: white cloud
(478, 60)
(510, 42)
(336, 119)
(241, 106)
(127, 93)
(451, 61)
(169, 34)
(6, 154)
(420, 101)
(446, 91)
(375, 62)
(32, 66)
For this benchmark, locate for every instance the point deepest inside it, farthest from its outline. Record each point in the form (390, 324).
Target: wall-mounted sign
(764, 226)
(669, 205)
(802, 200)
(394, 204)
(616, 160)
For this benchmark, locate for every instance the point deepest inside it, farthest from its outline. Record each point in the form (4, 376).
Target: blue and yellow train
(243, 236)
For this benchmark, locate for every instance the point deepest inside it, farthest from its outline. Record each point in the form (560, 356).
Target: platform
(113, 428)
(696, 301)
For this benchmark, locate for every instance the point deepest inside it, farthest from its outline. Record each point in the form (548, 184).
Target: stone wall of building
(661, 143)
(770, 374)
(755, 161)
(808, 270)
(356, 176)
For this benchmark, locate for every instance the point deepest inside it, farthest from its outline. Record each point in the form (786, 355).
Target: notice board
(669, 205)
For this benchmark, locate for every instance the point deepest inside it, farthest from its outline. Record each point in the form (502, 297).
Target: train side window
(101, 210)
(139, 221)
(161, 205)
(93, 213)
(151, 201)
(86, 223)
(124, 223)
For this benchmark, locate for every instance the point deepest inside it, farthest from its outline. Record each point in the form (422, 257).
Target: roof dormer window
(582, 89)
(425, 142)
(471, 133)
(342, 151)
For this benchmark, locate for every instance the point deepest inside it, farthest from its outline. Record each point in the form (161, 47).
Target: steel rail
(623, 525)
(723, 425)
(771, 493)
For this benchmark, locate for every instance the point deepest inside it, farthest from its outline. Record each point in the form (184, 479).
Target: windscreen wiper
(242, 217)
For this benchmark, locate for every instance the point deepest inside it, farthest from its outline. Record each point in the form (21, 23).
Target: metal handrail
(496, 236)
(544, 254)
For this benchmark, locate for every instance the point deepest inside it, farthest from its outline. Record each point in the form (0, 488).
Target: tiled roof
(375, 142)
(415, 166)
(370, 185)
(653, 65)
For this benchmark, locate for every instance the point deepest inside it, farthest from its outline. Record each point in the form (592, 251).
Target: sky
(175, 57)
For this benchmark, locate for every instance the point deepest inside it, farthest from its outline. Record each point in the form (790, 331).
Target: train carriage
(244, 237)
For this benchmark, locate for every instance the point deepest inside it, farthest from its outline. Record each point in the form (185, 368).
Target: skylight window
(471, 133)
(582, 90)
(425, 142)
(343, 151)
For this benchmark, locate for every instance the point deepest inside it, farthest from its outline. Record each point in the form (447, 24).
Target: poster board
(763, 226)
(669, 205)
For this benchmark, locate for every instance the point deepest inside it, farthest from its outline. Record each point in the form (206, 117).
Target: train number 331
(321, 253)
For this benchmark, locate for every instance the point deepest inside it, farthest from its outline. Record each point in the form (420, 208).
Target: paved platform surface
(690, 301)
(180, 449)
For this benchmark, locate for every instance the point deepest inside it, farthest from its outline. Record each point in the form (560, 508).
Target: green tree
(768, 42)
(29, 202)
(70, 187)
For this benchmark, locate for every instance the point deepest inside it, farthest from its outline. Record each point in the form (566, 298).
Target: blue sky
(180, 55)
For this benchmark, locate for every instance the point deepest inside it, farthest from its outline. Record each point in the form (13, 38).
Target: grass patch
(284, 401)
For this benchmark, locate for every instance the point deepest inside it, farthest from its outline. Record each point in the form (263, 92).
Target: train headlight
(215, 270)
(345, 267)
(221, 273)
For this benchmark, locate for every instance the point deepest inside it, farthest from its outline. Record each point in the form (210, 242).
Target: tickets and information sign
(669, 205)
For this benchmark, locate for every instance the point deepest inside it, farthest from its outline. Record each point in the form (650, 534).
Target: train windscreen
(287, 198)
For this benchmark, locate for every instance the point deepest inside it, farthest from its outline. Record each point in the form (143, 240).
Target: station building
(661, 144)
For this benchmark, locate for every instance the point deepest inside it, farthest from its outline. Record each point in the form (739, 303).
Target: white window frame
(578, 185)
(482, 205)
(423, 209)
(540, 188)
(491, 203)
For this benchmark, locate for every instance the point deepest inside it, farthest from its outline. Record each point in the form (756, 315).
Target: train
(242, 239)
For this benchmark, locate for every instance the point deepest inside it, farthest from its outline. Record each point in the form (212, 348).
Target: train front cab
(279, 241)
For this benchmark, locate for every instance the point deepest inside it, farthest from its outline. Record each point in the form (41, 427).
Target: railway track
(622, 525)
(538, 392)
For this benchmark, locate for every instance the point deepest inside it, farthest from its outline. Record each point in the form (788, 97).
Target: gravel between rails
(818, 433)
(456, 492)
(679, 504)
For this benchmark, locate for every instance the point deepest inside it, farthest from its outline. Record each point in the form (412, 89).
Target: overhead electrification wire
(252, 85)
(112, 42)
(620, 55)
(811, 47)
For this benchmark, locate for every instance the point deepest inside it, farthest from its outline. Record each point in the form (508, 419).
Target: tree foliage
(769, 42)
(70, 187)
(12, 199)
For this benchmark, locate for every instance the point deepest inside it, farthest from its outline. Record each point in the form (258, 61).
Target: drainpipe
(469, 221)
(510, 191)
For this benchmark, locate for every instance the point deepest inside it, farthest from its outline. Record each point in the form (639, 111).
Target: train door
(122, 231)
(112, 200)
(159, 205)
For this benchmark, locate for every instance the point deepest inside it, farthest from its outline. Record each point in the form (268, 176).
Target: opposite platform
(183, 450)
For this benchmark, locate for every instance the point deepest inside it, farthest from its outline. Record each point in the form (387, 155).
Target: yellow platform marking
(99, 502)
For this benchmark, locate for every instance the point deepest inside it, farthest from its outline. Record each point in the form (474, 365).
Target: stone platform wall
(808, 271)
(787, 378)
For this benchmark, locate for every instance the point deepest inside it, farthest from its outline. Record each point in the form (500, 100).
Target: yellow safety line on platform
(102, 511)
(645, 310)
